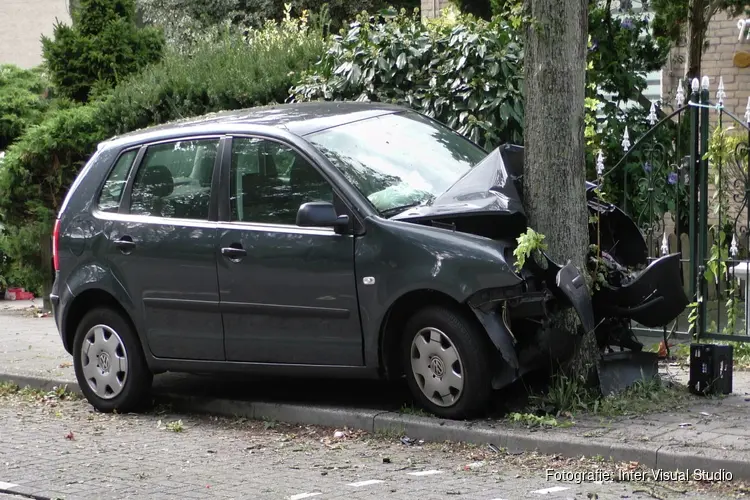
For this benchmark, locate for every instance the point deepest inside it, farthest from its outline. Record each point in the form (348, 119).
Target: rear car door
(288, 293)
(162, 240)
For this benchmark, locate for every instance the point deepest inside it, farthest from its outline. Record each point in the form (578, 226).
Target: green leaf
(401, 60)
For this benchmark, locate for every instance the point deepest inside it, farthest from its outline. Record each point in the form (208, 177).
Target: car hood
(488, 188)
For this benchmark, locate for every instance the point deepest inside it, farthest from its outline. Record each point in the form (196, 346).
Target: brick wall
(22, 24)
(430, 8)
(723, 43)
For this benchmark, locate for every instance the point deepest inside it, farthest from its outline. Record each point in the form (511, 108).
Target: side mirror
(321, 214)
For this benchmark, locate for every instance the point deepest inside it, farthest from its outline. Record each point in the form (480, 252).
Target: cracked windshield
(400, 160)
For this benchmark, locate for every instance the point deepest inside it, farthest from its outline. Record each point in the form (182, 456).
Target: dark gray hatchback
(327, 239)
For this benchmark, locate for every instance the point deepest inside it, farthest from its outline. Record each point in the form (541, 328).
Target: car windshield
(398, 160)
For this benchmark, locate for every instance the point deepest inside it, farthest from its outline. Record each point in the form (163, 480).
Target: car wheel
(109, 362)
(447, 363)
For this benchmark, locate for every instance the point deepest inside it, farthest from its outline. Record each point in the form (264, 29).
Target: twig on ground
(649, 492)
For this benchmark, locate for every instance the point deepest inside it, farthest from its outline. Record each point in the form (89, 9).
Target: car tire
(441, 350)
(112, 373)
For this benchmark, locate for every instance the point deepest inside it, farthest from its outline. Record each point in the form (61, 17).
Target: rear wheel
(447, 362)
(109, 362)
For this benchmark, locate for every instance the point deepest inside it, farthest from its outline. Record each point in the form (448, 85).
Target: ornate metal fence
(685, 183)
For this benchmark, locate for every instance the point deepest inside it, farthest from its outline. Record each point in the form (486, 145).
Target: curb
(668, 458)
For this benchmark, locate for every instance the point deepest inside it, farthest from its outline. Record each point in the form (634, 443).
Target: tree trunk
(696, 37)
(554, 158)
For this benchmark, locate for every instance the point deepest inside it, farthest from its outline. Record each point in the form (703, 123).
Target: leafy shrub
(102, 46)
(22, 101)
(20, 245)
(186, 22)
(236, 72)
(39, 167)
(232, 72)
(460, 70)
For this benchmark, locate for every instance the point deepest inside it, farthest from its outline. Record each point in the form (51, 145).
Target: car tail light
(56, 245)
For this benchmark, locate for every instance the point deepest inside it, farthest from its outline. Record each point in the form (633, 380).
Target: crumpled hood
(488, 188)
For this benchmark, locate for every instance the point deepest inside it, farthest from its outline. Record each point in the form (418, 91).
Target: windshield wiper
(390, 212)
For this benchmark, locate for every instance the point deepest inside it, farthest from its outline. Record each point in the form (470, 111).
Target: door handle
(234, 252)
(125, 244)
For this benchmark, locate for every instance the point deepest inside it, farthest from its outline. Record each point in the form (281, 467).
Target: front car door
(288, 293)
(162, 241)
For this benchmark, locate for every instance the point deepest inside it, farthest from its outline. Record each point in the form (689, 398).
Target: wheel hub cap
(104, 361)
(437, 367)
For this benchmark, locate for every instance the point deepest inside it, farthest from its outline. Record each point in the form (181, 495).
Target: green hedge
(232, 73)
(22, 101)
(236, 72)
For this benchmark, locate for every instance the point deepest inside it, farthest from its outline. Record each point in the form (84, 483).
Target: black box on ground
(711, 369)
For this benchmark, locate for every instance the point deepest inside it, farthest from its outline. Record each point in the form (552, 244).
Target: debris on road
(406, 440)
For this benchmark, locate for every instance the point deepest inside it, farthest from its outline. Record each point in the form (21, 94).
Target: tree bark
(554, 158)
(696, 38)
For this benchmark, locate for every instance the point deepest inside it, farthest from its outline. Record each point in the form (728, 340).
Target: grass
(646, 396)
(531, 420)
(174, 426)
(413, 410)
(8, 389)
(568, 396)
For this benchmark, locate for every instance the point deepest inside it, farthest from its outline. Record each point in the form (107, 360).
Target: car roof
(298, 118)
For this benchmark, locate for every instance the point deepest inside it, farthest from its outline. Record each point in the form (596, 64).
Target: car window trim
(226, 167)
(125, 198)
(125, 202)
(110, 169)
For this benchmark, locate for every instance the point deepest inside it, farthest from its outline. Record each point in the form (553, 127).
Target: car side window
(174, 180)
(269, 181)
(109, 199)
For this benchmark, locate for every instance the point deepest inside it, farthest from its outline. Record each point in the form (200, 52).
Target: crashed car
(631, 287)
(310, 240)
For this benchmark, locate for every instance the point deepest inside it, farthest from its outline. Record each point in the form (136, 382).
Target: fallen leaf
(70, 436)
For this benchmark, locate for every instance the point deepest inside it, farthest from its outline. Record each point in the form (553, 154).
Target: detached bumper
(653, 299)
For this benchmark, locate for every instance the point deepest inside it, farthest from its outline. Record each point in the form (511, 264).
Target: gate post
(693, 186)
(703, 207)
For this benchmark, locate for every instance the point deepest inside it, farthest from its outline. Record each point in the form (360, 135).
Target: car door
(288, 293)
(162, 247)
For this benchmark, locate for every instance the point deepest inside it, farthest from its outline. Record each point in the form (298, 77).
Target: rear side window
(174, 180)
(109, 200)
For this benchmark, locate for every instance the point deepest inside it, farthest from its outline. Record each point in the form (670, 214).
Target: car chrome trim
(193, 305)
(280, 228)
(206, 224)
(283, 310)
(148, 219)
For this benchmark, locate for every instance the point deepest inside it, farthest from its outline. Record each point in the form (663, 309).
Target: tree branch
(711, 9)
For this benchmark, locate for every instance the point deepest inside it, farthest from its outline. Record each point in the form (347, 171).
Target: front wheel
(109, 362)
(447, 362)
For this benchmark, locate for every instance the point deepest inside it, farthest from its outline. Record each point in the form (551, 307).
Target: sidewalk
(708, 434)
